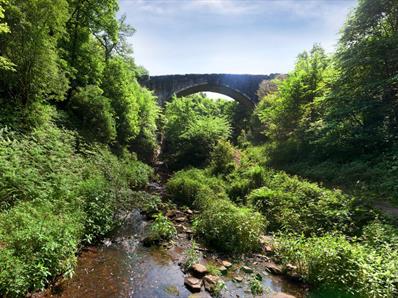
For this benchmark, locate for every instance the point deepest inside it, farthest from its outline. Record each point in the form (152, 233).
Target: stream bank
(122, 266)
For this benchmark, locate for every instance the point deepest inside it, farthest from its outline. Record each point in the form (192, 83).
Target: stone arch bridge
(241, 87)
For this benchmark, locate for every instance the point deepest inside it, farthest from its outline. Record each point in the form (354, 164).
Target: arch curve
(222, 89)
(241, 87)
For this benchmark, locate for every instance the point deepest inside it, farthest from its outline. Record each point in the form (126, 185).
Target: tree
(289, 114)
(362, 111)
(5, 64)
(87, 20)
(36, 26)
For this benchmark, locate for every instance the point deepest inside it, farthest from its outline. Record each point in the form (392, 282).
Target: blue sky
(230, 36)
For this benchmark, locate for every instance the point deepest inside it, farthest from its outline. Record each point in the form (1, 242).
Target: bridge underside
(236, 95)
(242, 88)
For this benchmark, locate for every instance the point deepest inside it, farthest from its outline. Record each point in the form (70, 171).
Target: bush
(223, 158)
(28, 163)
(194, 187)
(378, 235)
(230, 228)
(244, 180)
(191, 256)
(333, 263)
(95, 113)
(56, 191)
(38, 241)
(99, 207)
(162, 229)
(193, 127)
(296, 205)
(119, 86)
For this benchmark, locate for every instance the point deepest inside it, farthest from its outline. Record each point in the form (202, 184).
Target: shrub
(95, 113)
(56, 191)
(193, 127)
(244, 180)
(223, 158)
(99, 207)
(28, 163)
(300, 206)
(230, 228)
(378, 234)
(256, 287)
(194, 187)
(191, 256)
(38, 241)
(119, 86)
(162, 229)
(200, 137)
(334, 263)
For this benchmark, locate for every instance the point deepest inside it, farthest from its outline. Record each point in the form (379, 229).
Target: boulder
(291, 267)
(226, 264)
(273, 268)
(210, 282)
(223, 269)
(238, 278)
(246, 269)
(181, 219)
(198, 270)
(282, 295)
(192, 283)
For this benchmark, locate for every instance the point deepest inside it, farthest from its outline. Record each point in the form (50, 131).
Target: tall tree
(36, 27)
(89, 18)
(363, 107)
(5, 63)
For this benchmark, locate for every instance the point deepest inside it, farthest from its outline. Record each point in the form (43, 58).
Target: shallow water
(122, 267)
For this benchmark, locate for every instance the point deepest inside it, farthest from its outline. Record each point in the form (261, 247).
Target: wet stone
(210, 282)
(273, 268)
(193, 284)
(223, 269)
(246, 269)
(238, 278)
(282, 295)
(226, 264)
(180, 219)
(199, 270)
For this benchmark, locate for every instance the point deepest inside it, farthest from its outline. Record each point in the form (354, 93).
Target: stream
(121, 266)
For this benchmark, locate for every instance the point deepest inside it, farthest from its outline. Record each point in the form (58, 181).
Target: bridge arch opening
(221, 89)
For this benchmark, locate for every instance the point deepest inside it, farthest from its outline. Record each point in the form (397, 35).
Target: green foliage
(244, 180)
(334, 263)
(193, 127)
(38, 241)
(5, 64)
(194, 187)
(56, 194)
(119, 86)
(135, 107)
(99, 207)
(256, 287)
(162, 229)
(39, 71)
(287, 114)
(223, 158)
(362, 107)
(213, 269)
(95, 113)
(378, 234)
(145, 144)
(191, 256)
(296, 205)
(230, 228)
